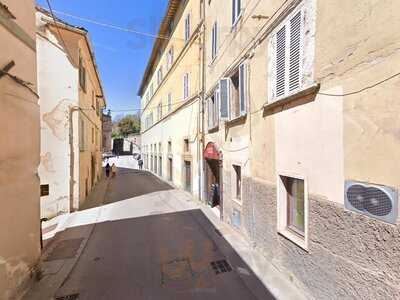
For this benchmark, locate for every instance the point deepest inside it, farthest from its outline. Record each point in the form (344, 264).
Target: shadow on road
(167, 256)
(130, 183)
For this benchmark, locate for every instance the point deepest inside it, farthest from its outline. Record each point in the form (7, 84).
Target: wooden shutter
(209, 113)
(295, 52)
(281, 62)
(242, 89)
(225, 91)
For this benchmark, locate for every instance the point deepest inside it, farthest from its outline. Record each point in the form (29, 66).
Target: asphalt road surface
(163, 255)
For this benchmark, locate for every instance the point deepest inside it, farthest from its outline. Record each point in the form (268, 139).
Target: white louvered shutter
(242, 89)
(216, 107)
(295, 51)
(280, 62)
(224, 88)
(209, 113)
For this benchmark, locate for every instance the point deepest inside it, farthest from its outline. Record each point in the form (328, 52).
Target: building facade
(170, 93)
(20, 148)
(71, 115)
(107, 132)
(301, 133)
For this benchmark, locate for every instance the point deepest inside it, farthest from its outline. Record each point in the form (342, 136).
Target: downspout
(203, 83)
(71, 158)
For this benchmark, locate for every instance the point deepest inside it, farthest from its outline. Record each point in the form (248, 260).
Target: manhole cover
(221, 266)
(176, 270)
(69, 297)
(65, 249)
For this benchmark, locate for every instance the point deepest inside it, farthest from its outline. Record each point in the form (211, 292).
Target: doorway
(188, 176)
(213, 189)
(170, 170)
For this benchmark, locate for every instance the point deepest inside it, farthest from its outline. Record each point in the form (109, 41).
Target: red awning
(211, 152)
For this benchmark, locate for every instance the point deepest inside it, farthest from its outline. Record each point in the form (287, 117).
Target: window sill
(312, 90)
(213, 129)
(295, 238)
(236, 121)
(237, 201)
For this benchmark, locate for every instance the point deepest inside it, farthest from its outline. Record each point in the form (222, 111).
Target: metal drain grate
(221, 266)
(69, 297)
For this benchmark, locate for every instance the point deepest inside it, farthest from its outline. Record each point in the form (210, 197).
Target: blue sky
(121, 56)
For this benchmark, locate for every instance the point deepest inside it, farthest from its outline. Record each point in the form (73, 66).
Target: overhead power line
(116, 27)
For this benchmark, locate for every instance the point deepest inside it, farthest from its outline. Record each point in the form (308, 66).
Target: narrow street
(144, 240)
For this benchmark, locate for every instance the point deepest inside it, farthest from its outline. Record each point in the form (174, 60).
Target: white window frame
(187, 28)
(233, 182)
(306, 46)
(169, 101)
(236, 11)
(282, 210)
(242, 109)
(214, 41)
(186, 86)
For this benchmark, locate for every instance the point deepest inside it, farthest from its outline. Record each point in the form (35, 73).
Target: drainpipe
(71, 158)
(203, 83)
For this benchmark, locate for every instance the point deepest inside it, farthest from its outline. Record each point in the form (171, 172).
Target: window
(93, 100)
(151, 90)
(97, 107)
(237, 182)
(185, 86)
(233, 95)
(292, 209)
(236, 10)
(159, 111)
(214, 41)
(159, 75)
(287, 61)
(169, 147)
(82, 135)
(82, 75)
(186, 147)
(213, 113)
(187, 28)
(170, 58)
(169, 102)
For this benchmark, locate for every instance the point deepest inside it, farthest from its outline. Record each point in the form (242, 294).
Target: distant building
(171, 102)
(20, 148)
(71, 102)
(135, 141)
(107, 132)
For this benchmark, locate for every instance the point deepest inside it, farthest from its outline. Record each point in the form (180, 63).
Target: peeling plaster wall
(19, 159)
(58, 89)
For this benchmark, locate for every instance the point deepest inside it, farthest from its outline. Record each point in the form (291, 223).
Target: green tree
(129, 124)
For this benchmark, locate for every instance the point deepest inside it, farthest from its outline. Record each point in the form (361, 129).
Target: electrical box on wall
(376, 201)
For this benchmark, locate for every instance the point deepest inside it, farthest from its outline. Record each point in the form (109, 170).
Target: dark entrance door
(213, 181)
(93, 171)
(170, 169)
(188, 176)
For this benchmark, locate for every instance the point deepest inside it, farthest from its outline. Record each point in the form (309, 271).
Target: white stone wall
(58, 90)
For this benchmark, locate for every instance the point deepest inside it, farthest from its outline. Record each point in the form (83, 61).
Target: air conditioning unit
(376, 201)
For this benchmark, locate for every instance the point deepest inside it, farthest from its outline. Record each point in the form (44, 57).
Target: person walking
(113, 170)
(108, 168)
(140, 162)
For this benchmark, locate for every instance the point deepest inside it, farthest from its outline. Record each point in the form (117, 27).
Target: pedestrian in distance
(113, 170)
(108, 168)
(140, 162)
